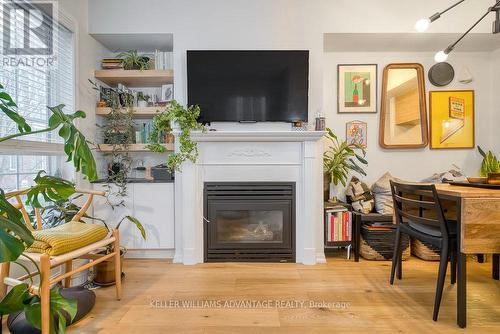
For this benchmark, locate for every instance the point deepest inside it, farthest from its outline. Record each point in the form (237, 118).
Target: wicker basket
(424, 251)
(379, 245)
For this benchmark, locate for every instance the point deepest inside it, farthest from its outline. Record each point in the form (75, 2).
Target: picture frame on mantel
(452, 119)
(356, 88)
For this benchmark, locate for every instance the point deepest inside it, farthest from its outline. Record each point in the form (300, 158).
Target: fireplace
(249, 221)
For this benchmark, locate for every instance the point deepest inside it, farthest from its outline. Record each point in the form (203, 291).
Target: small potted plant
(142, 99)
(104, 271)
(133, 61)
(338, 161)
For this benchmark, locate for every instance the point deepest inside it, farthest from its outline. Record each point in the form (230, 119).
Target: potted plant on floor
(104, 271)
(338, 161)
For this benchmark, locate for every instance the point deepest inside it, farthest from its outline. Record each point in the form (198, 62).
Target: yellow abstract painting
(452, 119)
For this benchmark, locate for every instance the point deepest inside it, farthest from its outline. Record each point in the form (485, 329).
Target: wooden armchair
(47, 262)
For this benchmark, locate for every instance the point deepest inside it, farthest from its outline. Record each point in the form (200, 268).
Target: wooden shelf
(135, 78)
(145, 112)
(133, 147)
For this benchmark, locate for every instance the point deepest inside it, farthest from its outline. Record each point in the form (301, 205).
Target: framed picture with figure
(357, 88)
(356, 133)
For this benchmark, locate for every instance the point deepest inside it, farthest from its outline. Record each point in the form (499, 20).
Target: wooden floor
(357, 299)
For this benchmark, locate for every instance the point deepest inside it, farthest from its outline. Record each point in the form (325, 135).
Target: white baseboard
(150, 254)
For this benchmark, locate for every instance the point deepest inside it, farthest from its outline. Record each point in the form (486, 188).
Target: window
(34, 88)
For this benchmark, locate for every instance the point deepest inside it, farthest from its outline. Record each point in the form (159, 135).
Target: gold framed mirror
(403, 112)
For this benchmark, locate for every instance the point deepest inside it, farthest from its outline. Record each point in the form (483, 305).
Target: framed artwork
(357, 88)
(355, 133)
(452, 118)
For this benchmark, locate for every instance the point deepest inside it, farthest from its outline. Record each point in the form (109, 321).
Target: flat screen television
(249, 86)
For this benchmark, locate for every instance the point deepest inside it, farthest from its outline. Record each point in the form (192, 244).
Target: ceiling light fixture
(423, 24)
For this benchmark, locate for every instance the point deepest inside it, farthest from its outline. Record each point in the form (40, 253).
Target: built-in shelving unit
(138, 112)
(135, 78)
(132, 147)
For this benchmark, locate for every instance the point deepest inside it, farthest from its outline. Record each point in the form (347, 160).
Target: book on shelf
(111, 63)
(339, 224)
(163, 60)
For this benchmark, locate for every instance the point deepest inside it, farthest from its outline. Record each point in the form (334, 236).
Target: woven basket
(379, 245)
(424, 250)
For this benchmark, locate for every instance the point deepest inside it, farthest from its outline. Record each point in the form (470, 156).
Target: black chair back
(411, 200)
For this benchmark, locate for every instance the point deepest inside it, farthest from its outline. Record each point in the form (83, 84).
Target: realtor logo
(28, 28)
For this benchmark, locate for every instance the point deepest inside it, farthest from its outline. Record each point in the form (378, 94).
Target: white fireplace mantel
(252, 156)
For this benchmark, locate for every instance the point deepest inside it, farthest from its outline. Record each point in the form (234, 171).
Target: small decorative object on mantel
(465, 76)
(441, 74)
(299, 126)
(320, 122)
(357, 88)
(356, 133)
(452, 119)
(338, 160)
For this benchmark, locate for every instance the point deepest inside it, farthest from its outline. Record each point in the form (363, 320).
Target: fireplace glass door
(252, 222)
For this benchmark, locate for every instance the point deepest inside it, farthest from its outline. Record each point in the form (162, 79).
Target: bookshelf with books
(338, 226)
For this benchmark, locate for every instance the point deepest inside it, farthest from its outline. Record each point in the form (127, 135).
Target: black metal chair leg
(496, 266)
(395, 255)
(480, 258)
(453, 263)
(443, 264)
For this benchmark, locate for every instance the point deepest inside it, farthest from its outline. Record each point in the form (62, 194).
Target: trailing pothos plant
(15, 237)
(341, 158)
(187, 120)
(119, 133)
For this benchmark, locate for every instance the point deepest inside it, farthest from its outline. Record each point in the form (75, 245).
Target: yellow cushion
(66, 238)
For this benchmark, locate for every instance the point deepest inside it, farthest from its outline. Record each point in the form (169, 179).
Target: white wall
(414, 164)
(495, 103)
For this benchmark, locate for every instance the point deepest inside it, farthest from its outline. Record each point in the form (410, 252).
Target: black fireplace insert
(249, 221)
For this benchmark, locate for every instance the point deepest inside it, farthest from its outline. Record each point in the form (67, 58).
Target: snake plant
(490, 163)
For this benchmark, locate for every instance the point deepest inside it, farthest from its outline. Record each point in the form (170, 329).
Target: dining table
(478, 231)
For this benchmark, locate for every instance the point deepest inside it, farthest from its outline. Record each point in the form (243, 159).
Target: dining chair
(419, 214)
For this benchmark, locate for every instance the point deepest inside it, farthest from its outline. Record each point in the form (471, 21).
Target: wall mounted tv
(249, 86)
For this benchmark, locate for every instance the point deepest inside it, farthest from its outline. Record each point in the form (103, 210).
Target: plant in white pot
(339, 160)
(142, 99)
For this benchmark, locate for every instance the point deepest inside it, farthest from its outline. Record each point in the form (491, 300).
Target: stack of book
(339, 223)
(111, 63)
(163, 60)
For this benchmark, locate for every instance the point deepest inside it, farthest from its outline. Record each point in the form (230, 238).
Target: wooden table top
(467, 192)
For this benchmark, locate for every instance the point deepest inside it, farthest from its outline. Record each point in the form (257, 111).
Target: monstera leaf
(14, 235)
(50, 188)
(59, 306)
(75, 144)
(8, 106)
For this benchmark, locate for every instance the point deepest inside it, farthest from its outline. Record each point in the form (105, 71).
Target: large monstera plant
(15, 237)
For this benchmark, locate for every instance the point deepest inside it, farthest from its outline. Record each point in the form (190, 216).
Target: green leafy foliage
(187, 118)
(490, 163)
(59, 307)
(75, 144)
(14, 235)
(9, 107)
(50, 188)
(137, 224)
(340, 159)
(133, 61)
